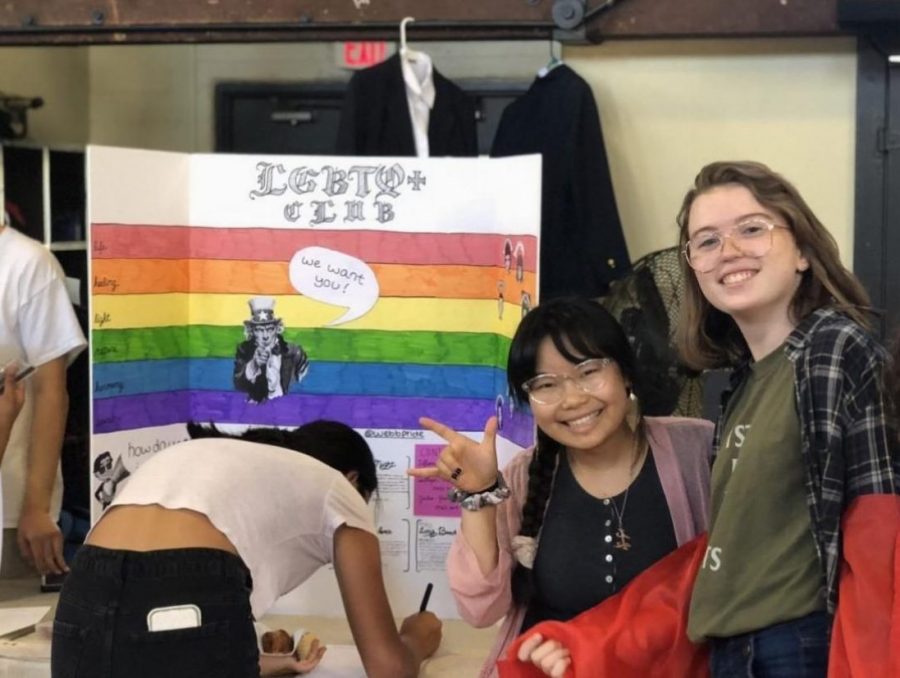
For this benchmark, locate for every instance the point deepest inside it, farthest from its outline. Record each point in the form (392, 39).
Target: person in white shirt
(38, 327)
(206, 535)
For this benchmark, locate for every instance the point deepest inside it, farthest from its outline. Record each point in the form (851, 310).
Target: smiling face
(750, 289)
(581, 421)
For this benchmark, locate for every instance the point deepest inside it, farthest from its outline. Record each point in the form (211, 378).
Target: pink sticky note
(430, 494)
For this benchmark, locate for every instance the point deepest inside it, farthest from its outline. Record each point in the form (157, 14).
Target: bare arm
(39, 538)
(480, 530)
(11, 401)
(385, 652)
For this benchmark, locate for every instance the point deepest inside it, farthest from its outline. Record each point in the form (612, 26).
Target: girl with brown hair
(806, 451)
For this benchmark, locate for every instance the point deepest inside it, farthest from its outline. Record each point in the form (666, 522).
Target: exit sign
(357, 55)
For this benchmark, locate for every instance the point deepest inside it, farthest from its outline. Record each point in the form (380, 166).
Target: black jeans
(793, 649)
(100, 630)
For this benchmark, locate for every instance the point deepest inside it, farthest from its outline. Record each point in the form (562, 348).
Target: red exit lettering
(364, 54)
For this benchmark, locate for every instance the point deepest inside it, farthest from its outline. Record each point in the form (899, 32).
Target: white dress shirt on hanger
(419, 80)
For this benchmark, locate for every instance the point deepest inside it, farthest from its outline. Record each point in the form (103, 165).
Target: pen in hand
(24, 371)
(425, 597)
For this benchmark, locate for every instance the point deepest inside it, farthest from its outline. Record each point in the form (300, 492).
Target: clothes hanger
(553, 63)
(406, 53)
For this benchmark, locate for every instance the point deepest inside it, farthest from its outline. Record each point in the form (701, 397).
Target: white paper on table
(340, 661)
(14, 619)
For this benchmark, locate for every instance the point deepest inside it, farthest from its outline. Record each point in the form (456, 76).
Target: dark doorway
(303, 118)
(877, 233)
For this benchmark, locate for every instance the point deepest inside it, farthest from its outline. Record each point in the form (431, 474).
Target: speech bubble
(335, 278)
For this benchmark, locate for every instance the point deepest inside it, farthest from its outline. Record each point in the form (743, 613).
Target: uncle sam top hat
(262, 311)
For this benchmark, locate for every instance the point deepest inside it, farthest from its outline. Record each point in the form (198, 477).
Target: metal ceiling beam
(137, 21)
(111, 21)
(715, 18)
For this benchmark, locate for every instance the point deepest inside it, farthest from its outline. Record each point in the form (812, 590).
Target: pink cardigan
(681, 449)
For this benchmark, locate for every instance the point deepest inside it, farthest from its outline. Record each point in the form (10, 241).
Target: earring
(633, 416)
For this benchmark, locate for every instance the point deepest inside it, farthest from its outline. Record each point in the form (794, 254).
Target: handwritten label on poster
(433, 540)
(335, 278)
(431, 493)
(394, 537)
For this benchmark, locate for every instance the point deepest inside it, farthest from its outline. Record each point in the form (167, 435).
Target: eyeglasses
(549, 389)
(752, 238)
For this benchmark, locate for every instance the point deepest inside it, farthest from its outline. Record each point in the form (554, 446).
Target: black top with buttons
(576, 565)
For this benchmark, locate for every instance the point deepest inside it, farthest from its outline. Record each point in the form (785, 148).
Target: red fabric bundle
(639, 633)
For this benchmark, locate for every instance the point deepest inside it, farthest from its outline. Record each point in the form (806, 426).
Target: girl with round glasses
(807, 472)
(803, 431)
(603, 494)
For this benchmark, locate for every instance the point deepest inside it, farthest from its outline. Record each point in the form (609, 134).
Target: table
(460, 655)
(29, 656)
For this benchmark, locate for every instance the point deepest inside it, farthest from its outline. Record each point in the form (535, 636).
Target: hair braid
(541, 473)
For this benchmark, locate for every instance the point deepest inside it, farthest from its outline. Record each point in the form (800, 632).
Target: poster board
(389, 288)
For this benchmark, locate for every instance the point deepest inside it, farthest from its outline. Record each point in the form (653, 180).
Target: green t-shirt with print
(760, 567)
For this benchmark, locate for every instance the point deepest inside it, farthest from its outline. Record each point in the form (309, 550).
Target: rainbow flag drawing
(174, 300)
(400, 282)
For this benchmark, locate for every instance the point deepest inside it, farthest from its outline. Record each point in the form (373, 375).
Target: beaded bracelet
(474, 501)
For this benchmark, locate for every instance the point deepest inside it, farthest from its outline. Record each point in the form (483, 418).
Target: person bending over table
(206, 535)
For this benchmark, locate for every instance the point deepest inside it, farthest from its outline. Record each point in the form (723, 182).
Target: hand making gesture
(468, 465)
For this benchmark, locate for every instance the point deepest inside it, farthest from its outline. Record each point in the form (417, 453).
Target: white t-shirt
(37, 325)
(278, 507)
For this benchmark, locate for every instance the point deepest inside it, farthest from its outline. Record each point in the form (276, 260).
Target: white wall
(668, 108)
(60, 76)
(143, 96)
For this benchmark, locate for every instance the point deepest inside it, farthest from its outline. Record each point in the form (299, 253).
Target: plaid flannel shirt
(848, 439)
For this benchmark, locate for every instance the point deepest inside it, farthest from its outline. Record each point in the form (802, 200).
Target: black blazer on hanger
(582, 245)
(375, 118)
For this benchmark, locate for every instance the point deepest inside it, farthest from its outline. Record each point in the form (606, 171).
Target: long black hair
(331, 442)
(580, 329)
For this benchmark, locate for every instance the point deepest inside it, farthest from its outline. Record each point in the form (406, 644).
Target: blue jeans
(101, 621)
(793, 649)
